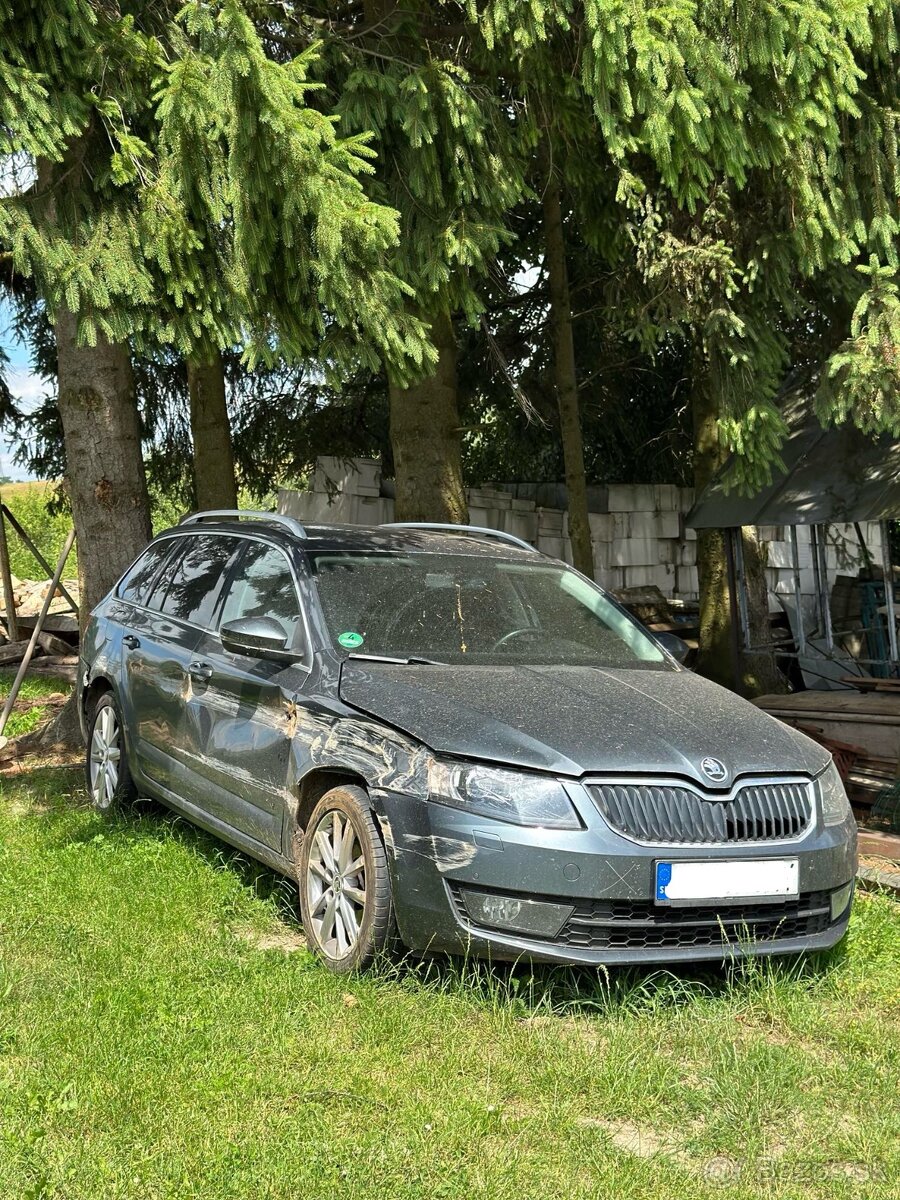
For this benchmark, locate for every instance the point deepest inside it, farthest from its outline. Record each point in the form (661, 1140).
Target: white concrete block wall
(640, 541)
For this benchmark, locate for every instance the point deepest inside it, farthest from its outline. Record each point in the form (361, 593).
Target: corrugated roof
(832, 475)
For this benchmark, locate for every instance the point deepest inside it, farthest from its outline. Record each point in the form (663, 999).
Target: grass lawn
(29, 711)
(164, 1034)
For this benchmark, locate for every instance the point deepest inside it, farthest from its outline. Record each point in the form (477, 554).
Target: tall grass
(31, 503)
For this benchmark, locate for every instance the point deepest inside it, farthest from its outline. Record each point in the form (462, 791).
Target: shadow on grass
(525, 990)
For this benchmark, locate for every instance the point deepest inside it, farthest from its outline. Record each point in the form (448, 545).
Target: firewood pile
(58, 640)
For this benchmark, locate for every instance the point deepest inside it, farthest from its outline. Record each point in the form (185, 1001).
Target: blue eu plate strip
(663, 879)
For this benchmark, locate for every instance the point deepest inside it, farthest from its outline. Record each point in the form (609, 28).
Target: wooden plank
(53, 645)
(879, 737)
(53, 622)
(832, 703)
(13, 652)
(884, 845)
(864, 683)
(29, 649)
(9, 599)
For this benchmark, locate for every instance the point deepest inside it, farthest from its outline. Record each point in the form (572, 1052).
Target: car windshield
(458, 608)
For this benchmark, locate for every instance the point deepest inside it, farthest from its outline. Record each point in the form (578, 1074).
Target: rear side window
(136, 582)
(195, 581)
(263, 586)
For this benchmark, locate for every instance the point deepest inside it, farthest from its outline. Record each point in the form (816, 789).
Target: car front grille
(635, 925)
(639, 925)
(673, 814)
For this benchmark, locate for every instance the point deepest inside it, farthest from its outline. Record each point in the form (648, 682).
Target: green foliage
(36, 507)
(739, 154)
(188, 193)
(317, 180)
(864, 374)
(450, 157)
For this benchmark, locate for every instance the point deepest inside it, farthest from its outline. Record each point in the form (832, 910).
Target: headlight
(503, 795)
(835, 805)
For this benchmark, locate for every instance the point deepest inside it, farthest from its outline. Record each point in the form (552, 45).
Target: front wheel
(106, 766)
(345, 885)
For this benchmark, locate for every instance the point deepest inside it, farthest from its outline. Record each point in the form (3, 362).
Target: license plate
(700, 882)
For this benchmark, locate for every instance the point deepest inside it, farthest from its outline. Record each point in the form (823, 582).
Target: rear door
(158, 648)
(243, 717)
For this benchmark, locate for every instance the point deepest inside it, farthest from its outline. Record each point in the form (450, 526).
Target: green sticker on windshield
(351, 640)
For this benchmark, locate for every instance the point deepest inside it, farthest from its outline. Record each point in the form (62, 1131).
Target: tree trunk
(104, 466)
(566, 380)
(214, 482)
(425, 439)
(721, 656)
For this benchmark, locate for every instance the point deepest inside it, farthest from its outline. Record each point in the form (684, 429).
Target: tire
(349, 917)
(108, 778)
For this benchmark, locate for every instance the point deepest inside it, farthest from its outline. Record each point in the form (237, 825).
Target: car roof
(386, 539)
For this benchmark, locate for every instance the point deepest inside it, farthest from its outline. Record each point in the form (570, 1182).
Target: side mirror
(260, 637)
(675, 646)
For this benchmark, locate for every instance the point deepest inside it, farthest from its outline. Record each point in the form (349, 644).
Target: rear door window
(137, 581)
(263, 586)
(195, 580)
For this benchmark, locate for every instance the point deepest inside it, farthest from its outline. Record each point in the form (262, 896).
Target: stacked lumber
(29, 595)
(868, 683)
(862, 730)
(59, 636)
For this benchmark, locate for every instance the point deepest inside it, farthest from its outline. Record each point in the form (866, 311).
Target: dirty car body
(545, 780)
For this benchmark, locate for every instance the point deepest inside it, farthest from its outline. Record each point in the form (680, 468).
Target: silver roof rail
(479, 530)
(246, 514)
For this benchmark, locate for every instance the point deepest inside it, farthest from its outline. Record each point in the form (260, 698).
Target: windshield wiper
(403, 662)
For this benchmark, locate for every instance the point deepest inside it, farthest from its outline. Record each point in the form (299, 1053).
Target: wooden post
(37, 554)
(9, 600)
(39, 624)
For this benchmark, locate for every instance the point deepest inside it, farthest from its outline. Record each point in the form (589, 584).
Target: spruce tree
(414, 73)
(183, 191)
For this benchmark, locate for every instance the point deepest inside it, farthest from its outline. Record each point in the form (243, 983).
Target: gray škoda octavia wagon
(453, 743)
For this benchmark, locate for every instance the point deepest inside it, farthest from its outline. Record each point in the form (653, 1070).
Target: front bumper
(608, 880)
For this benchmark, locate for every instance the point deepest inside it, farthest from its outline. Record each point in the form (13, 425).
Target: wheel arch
(313, 786)
(99, 686)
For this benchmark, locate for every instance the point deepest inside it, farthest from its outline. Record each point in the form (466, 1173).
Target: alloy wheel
(105, 755)
(336, 885)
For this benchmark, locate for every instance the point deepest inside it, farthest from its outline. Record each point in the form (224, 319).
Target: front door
(243, 715)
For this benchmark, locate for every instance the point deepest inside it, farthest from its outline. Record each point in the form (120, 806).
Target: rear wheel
(106, 766)
(345, 886)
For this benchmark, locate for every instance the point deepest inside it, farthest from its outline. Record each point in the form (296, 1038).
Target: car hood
(579, 720)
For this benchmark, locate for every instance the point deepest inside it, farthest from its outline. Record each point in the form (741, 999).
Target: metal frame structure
(740, 611)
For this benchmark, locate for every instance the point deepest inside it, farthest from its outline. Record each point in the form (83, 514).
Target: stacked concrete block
(360, 476)
(602, 526)
(638, 534)
(521, 524)
(372, 510)
(484, 517)
(316, 507)
(631, 497)
(635, 552)
(687, 583)
(666, 498)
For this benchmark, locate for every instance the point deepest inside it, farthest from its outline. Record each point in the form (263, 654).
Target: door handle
(200, 671)
(131, 641)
